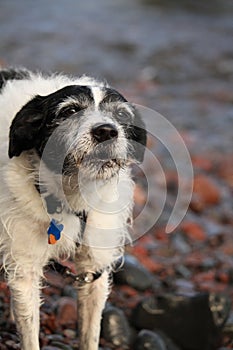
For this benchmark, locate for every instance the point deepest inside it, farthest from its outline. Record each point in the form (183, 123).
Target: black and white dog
(65, 189)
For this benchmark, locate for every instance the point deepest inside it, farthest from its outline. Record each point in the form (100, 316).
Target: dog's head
(88, 127)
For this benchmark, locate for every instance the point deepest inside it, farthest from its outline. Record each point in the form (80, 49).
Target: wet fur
(33, 111)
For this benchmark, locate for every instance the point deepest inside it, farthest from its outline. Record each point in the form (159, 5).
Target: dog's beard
(102, 162)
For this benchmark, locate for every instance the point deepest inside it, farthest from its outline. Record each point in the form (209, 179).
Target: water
(173, 56)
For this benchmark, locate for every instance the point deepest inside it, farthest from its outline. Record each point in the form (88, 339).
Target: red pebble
(202, 163)
(193, 231)
(205, 193)
(150, 264)
(226, 170)
(66, 312)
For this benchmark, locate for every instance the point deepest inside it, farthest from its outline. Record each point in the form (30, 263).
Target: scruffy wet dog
(65, 189)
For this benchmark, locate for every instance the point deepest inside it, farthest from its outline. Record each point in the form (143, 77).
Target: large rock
(192, 322)
(148, 340)
(134, 274)
(115, 328)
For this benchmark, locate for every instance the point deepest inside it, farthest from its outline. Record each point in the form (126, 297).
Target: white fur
(24, 219)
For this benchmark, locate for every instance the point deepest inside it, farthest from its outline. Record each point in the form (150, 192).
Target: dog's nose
(104, 132)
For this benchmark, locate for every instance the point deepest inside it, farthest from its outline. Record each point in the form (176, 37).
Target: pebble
(66, 312)
(228, 327)
(202, 162)
(10, 344)
(154, 340)
(184, 286)
(48, 347)
(61, 346)
(70, 333)
(134, 274)
(148, 340)
(55, 337)
(69, 291)
(193, 230)
(205, 193)
(208, 263)
(115, 327)
(226, 170)
(228, 330)
(183, 271)
(180, 244)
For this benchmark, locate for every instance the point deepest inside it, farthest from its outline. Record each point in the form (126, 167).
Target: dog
(66, 190)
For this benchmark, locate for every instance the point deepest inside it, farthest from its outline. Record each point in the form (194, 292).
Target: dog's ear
(25, 127)
(138, 135)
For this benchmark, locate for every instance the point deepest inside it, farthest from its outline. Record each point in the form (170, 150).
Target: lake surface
(173, 56)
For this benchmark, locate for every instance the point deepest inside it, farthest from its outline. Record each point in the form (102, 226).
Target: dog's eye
(66, 112)
(123, 115)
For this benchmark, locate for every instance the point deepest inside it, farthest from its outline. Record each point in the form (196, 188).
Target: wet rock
(228, 328)
(10, 344)
(208, 263)
(202, 162)
(55, 337)
(148, 340)
(205, 193)
(180, 243)
(50, 348)
(154, 340)
(193, 231)
(69, 291)
(226, 169)
(224, 276)
(69, 333)
(170, 345)
(202, 277)
(133, 274)
(184, 286)
(186, 320)
(115, 328)
(183, 271)
(9, 340)
(66, 312)
(61, 346)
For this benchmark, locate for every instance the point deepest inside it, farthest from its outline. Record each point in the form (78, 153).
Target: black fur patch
(111, 96)
(136, 132)
(12, 74)
(35, 122)
(133, 126)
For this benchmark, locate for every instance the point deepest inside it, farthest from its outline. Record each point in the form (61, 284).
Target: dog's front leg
(91, 301)
(25, 303)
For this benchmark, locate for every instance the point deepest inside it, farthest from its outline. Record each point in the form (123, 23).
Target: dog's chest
(94, 209)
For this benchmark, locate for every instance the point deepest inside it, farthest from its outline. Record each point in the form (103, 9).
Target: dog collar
(81, 278)
(85, 277)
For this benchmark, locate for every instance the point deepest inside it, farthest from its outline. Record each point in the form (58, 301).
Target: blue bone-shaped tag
(54, 231)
